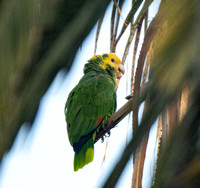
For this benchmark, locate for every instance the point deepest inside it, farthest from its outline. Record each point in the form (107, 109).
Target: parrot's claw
(107, 134)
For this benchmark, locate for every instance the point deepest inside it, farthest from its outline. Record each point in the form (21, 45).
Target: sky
(43, 157)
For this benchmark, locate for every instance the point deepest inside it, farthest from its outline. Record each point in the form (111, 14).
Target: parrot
(90, 103)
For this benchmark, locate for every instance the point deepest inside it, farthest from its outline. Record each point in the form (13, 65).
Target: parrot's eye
(112, 60)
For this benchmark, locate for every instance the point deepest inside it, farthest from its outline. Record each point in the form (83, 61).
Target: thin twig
(139, 160)
(146, 21)
(118, 9)
(98, 31)
(145, 47)
(159, 133)
(129, 18)
(135, 114)
(112, 40)
(132, 33)
(142, 152)
(132, 22)
(104, 157)
(134, 53)
(116, 26)
(148, 60)
(132, 12)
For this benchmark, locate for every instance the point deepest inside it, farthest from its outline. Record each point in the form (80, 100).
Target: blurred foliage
(172, 41)
(38, 39)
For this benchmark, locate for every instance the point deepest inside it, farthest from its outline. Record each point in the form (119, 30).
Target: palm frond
(38, 39)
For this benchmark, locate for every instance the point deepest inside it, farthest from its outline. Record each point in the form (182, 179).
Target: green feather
(85, 155)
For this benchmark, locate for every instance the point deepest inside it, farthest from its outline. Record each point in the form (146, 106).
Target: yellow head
(112, 60)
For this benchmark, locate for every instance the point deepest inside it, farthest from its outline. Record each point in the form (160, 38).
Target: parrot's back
(94, 97)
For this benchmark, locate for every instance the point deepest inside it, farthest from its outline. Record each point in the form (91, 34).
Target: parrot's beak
(121, 71)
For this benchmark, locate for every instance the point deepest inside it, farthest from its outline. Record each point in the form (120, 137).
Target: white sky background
(44, 157)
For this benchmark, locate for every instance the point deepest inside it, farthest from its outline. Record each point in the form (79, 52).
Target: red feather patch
(99, 120)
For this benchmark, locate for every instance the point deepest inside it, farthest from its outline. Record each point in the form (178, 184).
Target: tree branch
(132, 104)
(158, 104)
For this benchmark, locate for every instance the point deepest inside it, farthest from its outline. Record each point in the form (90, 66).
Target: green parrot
(90, 104)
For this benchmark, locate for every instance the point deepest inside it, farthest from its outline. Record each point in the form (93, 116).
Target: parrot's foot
(105, 136)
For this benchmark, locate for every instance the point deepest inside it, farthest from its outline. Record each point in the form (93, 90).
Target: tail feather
(85, 155)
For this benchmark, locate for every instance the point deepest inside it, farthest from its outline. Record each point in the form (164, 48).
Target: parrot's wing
(94, 97)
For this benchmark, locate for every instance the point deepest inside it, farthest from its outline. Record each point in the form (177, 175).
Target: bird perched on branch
(90, 104)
